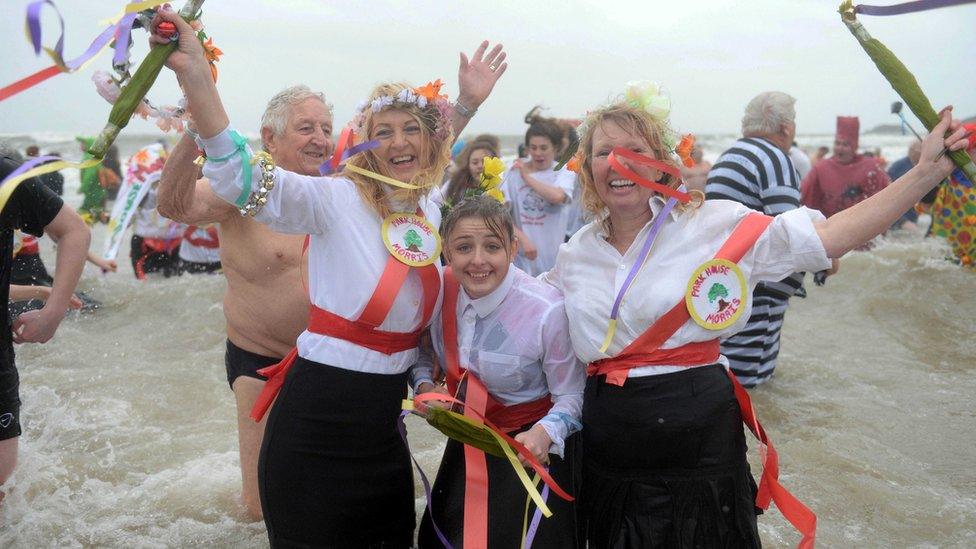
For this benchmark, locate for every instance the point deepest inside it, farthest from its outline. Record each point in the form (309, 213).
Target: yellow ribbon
(132, 8)
(381, 177)
(529, 485)
(10, 185)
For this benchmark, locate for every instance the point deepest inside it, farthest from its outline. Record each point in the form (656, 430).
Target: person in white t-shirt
(539, 197)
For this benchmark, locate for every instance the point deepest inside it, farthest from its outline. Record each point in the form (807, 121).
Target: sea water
(130, 431)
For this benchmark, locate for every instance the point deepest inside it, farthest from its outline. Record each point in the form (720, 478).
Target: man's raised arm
(183, 197)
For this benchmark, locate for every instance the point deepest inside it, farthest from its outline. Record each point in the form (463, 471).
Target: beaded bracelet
(257, 199)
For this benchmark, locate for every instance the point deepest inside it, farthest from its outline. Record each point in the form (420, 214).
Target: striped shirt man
(757, 173)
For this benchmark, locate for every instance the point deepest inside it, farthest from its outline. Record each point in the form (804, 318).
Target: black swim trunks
(9, 399)
(245, 363)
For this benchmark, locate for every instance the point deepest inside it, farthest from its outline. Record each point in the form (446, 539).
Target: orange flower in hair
(430, 90)
(574, 164)
(684, 148)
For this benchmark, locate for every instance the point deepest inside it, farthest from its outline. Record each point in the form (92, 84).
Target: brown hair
(496, 216)
(656, 133)
(462, 179)
(434, 156)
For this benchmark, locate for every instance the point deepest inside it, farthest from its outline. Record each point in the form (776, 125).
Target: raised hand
(189, 53)
(477, 76)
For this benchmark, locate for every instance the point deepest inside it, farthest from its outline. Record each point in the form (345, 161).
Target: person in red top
(844, 179)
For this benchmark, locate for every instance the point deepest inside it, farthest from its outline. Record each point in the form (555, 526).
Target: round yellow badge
(411, 239)
(716, 295)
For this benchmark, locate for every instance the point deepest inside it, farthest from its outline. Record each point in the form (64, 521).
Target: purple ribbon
(648, 242)
(121, 56)
(536, 518)
(909, 7)
(27, 166)
(326, 168)
(121, 45)
(402, 427)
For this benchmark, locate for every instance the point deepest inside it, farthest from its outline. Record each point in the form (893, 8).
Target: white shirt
(516, 341)
(346, 255)
(542, 221)
(800, 161)
(590, 272)
(147, 222)
(199, 254)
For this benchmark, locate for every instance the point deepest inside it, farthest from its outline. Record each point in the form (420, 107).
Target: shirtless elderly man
(265, 305)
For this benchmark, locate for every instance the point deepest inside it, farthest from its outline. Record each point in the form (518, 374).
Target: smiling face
(306, 141)
(542, 152)
(479, 256)
(620, 195)
(403, 145)
(476, 162)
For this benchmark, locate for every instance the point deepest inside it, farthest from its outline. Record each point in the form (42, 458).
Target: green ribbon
(240, 148)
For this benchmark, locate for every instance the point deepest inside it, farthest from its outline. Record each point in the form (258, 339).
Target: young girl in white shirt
(507, 333)
(540, 198)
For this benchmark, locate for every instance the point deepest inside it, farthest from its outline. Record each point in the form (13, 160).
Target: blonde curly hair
(658, 135)
(434, 156)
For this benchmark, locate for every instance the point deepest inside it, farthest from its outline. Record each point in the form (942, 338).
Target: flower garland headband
(645, 96)
(434, 107)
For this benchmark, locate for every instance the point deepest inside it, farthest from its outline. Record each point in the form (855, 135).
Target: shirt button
(469, 320)
(416, 303)
(622, 266)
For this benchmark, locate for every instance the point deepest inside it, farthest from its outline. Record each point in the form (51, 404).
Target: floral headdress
(427, 98)
(646, 96)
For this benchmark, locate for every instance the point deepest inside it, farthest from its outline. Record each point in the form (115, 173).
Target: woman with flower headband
(333, 470)
(502, 339)
(665, 454)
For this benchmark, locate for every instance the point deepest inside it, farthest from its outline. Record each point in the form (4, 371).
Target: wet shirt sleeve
(790, 244)
(298, 204)
(565, 377)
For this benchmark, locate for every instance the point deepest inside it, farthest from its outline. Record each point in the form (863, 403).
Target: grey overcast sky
(570, 55)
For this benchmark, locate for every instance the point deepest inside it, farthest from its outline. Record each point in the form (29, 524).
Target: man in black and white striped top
(757, 172)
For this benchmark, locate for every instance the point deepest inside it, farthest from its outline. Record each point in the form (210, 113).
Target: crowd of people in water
(603, 299)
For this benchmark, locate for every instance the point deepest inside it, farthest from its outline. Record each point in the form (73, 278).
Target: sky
(570, 56)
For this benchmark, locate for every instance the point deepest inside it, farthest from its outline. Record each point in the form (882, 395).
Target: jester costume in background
(94, 202)
(954, 211)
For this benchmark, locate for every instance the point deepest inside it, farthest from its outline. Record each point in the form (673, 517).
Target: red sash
(211, 241)
(362, 331)
(28, 245)
(153, 246)
(645, 350)
(478, 401)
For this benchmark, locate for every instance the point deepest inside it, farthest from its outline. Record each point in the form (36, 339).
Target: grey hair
(767, 113)
(276, 114)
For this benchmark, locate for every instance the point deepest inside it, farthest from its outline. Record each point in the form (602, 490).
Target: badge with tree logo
(411, 239)
(716, 294)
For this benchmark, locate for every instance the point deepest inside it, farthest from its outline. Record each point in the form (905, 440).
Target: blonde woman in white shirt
(333, 470)
(664, 448)
(502, 335)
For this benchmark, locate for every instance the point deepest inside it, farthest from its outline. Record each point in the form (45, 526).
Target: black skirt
(506, 502)
(333, 470)
(664, 463)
